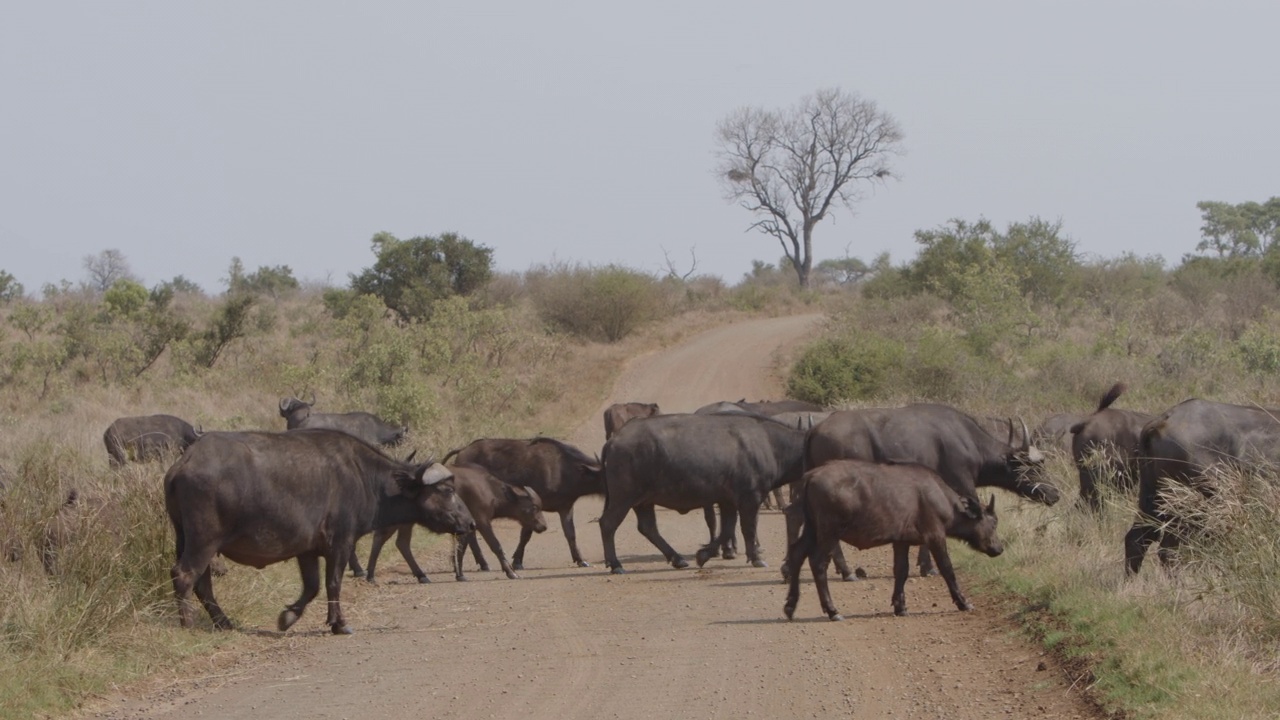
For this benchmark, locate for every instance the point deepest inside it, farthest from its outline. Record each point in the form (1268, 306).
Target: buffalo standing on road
(685, 462)
(262, 498)
(941, 438)
(486, 498)
(1179, 447)
(867, 505)
(617, 415)
(147, 437)
(557, 471)
(1105, 447)
(368, 427)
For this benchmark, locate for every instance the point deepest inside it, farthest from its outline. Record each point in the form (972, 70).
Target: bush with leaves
(10, 288)
(606, 303)
(412, 275)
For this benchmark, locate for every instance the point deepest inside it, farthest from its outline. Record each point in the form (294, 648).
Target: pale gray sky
(290, 132)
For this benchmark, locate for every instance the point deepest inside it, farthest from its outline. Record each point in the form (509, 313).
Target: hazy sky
(184, 134)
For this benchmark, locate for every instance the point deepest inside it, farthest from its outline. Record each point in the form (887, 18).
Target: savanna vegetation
(996, 321)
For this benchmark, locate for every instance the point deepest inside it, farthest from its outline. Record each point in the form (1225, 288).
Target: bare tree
(790, 166)
(105, 268)
(675, 274)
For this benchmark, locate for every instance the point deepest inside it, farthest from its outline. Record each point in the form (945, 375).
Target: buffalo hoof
(680, 563)
(860, 573)
(966, 606)
(851, 577)
(928, 572)
(358, 574)
(460, 578)
(342, 630)
(789, 611)
(512, 576)
(580, 563)
(701, 558)
(759, 563)
(222, 623)
(519, 564)
(835, 616)
(900, 611)
(618, 570)
(423, 580)
(286, 620)
(728, 554)
(484, 567)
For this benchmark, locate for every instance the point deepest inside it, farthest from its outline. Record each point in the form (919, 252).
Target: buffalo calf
(867, 505)
(486, 498)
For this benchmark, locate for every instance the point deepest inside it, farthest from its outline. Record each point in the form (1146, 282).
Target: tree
(410, 275)
(790, 166)
(274, 281)
(105, 268)
(1249, 229)
(10, 288)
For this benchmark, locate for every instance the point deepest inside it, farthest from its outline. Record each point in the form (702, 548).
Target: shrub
(411, 275)
(606, 303)
(845, 368)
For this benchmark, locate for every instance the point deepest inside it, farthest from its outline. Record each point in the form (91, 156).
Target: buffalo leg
(1136, 542)
(728, 531)
(818, 561)
(750, 516)
(709, 514)
(473, 542)
(460, 545)
(901, 568)
(491, 539)
(404, 543)
(925, 561)
(379, 538)
(949, 574)
(647, 523)
(517, 560)
(797, 552)
(610, 519)
(354, 563)
(186, 578)
(728, 550)
(204, 591)
(842, 565)
(309, 568)
(728, 521)
(334, 567)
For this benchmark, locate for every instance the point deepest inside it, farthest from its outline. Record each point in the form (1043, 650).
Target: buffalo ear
(971, 507)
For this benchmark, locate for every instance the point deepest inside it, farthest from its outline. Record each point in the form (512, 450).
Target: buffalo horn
(1026, 436)
(313, 398)
(284, 404)
(1010, 443)
(991, 506)
(410, 458)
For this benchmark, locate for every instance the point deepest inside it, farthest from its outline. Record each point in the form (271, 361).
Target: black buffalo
(486, 498)
(685, 462)
(1178, 447)
(939, 437)
(1055, 432)
(867, 505)
(1105, 447)
(147, 437)
(366, 426)
(557, 471)
(262, 498)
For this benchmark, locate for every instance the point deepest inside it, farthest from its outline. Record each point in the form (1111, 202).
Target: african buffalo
(867, 504)
(1180, 447)
(366, 426)
(557, 471)
(260, 498)
(685, 462)
(147, 437)
(1055, 432)
(1105, 447)
(939, 437)
(486, 498)
(617, 415)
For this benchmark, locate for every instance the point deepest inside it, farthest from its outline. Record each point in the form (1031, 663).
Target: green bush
(607, 303)
(844, 368)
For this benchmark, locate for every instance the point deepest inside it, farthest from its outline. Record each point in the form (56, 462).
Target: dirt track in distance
(565, 643)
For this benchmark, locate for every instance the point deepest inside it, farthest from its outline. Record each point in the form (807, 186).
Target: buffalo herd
(901, 476)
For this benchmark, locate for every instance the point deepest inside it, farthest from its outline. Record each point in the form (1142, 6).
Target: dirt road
(567, 642)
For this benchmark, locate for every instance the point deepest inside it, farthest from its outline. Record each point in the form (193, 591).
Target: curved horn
(313, 398)
(991, 506)
(284, 404)
(1026, 436)
(430, 459)
(1010, 442)
(410, 458)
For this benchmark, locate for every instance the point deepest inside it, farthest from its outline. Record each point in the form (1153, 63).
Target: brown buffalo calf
(486, 498)
(618, 414)
(867, 505)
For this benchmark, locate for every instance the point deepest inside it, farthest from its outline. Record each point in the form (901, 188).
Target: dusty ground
(566, 642)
